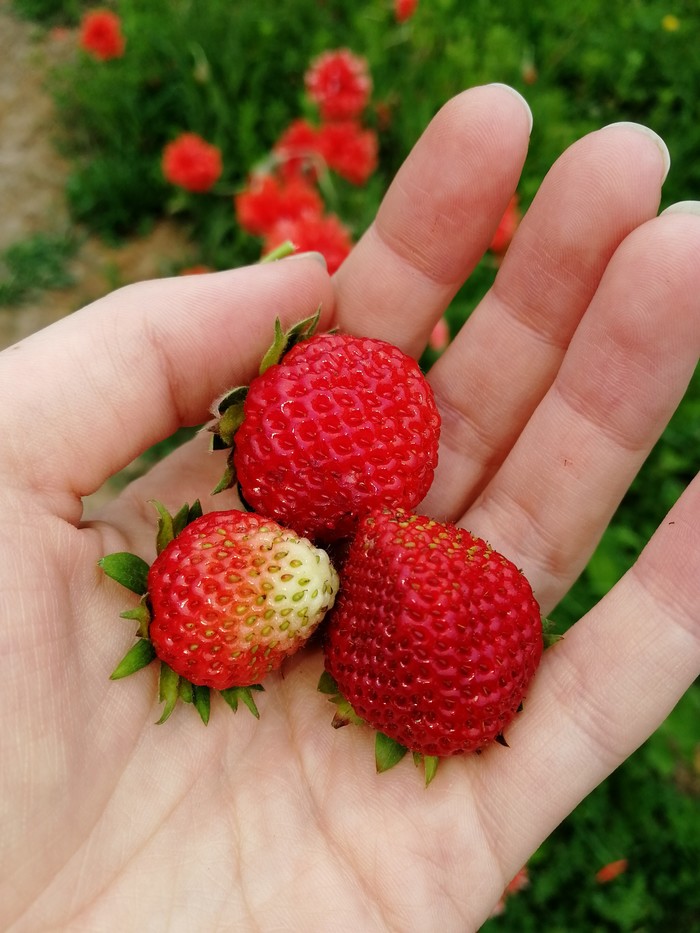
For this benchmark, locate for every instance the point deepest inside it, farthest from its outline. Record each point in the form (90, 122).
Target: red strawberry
(334, 427)
(229, 596)
(434, 637)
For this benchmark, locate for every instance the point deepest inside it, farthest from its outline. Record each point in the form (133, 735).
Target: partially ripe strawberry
(229, 597)
(335, 426)
(233, 595)
(435, 636)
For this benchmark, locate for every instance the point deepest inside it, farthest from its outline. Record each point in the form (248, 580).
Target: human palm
(551, 396)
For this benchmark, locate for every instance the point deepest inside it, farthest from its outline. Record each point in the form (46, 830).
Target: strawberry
(229, 597)
(333, 426)
(434, 637)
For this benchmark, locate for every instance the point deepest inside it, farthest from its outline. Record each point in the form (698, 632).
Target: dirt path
(32, 177)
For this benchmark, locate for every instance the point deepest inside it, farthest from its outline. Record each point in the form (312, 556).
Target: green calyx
(387, 751)
(131, 572)
(228, 409)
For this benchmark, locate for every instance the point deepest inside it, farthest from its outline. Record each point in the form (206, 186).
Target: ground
(32, 176)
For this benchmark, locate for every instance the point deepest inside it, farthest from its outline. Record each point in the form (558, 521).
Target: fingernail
(683, 207)
(311, 254)
(507, 87)
(663, 148)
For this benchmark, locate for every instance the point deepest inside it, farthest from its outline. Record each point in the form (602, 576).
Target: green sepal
(142, 615)
(201, 699)
(170, 526)
(138, 656)
(128, 569)
(430, 764)
(276, 349)
(327, 684)
(387, 752)
(549, 637)
(233, 694)
(168, 690)
(344, 715)
(227, 480)
(228, 412)
(284, 342)
(185, 691)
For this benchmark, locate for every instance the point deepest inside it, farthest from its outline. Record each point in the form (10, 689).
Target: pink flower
(101, 35)
(339, 83)
(192, 163)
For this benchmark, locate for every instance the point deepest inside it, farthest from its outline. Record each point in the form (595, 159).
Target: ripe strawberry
(331, 428)
(434, 637)
(229, 596)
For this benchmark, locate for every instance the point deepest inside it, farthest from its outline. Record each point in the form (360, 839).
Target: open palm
(551, 396)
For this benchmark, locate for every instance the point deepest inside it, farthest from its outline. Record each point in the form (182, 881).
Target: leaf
(168, 691)
(138, 656)
(201, 699)
(387, 752)
(195, 512)
(166, 526)
(128, 569)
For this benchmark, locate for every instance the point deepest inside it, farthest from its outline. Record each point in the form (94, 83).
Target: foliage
(233, 73)
(41, 261)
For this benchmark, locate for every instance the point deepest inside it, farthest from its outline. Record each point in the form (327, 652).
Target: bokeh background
(87, 203)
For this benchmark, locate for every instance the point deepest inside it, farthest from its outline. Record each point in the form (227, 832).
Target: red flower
(611, 870)
(506, 227)
(349, 150)
(195, 270)
(325, 235)
(101, 35)
(404, 9)
(520, 881)
(440, 336)
(297, 148)
(269, 200)
(192, 163)
(339, 83)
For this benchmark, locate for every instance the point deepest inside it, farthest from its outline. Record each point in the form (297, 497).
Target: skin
(551, 395)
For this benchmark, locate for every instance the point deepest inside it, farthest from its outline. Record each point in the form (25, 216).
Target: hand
(551, 395)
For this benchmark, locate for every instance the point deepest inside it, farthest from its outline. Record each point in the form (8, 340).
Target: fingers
(436, 220)
(627, 368)
(602, 690)
(86, 396)
(506, 356)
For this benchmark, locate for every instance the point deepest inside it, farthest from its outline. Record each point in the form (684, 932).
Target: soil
(32, 178)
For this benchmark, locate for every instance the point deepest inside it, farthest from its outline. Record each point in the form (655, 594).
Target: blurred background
(178, 136)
